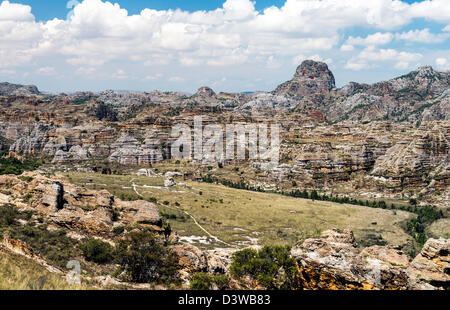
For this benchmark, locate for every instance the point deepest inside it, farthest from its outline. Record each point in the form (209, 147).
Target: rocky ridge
(7, 89)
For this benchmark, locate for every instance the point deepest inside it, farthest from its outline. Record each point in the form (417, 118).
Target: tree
(272, 267)
(97, 251)
(145, 258)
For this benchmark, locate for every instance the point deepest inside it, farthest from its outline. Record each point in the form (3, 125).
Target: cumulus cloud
(46, 71)
(373, 39)
(442, 63)
(347, 48)
(119, 75)
(7, 72)
(422, 36)
(100, 32)
(371, 55)
(357, 65)
(176, 79)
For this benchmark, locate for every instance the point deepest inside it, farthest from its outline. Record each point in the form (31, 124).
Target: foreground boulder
(94, 212)
(431, 268)
(333, 262)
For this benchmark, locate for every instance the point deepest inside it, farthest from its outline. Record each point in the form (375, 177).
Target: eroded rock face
(432, 266)
(333, 262)
(206, 92)
(53, 196)
(388, 254)
(192, 260)
(139, 212)
(84, 211)
(310, 78)
(16, 89)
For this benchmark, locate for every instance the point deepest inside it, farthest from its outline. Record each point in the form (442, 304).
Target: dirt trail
(193, 218)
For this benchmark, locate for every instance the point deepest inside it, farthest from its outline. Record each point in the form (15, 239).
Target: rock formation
(333, 262)
(7, 89)
(310, 78)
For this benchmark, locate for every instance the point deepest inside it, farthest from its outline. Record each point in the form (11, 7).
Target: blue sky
(49, 9)
(233, 45)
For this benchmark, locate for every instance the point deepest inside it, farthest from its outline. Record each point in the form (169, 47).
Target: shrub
(152, 199)
(205, 281)
(145, 259)
(118, 230)
(8, 215)
(14, 166)
(54, 246)
(97, 251)
(26, 178)
(272, 267)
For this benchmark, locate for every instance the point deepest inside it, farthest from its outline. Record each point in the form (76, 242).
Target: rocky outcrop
(83, 211)
(7, 89)
(431, 268)
(128, 151)
(333, 262)
(421, 155)
(310, 78)
(205, 91)
(266, 101)
(76, 153)
(192, 260)
(139, 212)
(205, 96)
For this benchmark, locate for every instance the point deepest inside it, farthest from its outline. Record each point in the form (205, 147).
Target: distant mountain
(7, 89)
(311, 77)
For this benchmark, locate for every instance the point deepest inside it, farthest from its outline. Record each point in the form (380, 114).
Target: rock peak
(206, 91)
(7, 89)
(311, 68)
(311, 77)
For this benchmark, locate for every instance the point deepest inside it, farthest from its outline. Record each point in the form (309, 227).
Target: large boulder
(431, 268)
(138, 212)
(333, 262)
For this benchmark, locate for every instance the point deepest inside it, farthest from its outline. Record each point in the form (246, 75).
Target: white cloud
(357, 65)
(436, 10)
(153, 77)
(120, 75)
(46, 71)
(7, 72)
(347, 48)
(370, 56)
(446, 28)
(373, 39)
(176, 79)
(373, 54)
(100, 33)
(299, 58)
(441, 61)
(15, 12)
(402, 65)
(273, 63)
(422, 36)
(85, 71)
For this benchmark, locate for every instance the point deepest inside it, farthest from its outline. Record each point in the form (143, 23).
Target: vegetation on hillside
(15, 166)
(145, 259)
(272, 267)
